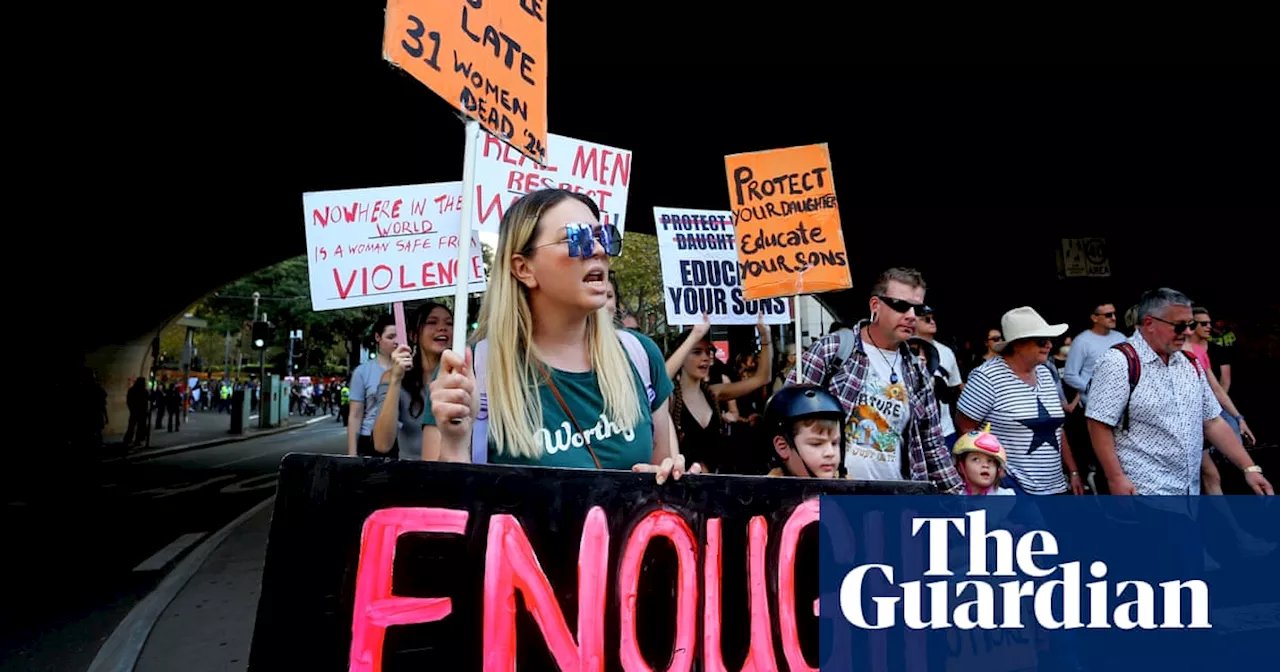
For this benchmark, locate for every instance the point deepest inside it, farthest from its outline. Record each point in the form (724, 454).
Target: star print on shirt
(1044, 429)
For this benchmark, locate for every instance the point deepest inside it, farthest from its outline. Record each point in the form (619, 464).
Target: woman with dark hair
(365, 399)
(696, 400)
(430, 330)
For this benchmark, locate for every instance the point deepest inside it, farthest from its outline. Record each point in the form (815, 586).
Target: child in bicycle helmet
(804, 423)
(981, 461)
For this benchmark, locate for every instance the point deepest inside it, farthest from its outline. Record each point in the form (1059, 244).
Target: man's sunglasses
(900, 305)
(1106, 315)
(1204, 323)
(1178, 327)
(581, 238)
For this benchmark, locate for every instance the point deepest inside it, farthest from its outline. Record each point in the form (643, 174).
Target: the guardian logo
(972, 604)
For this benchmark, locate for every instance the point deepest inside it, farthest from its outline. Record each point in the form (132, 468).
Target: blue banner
(1000, 584)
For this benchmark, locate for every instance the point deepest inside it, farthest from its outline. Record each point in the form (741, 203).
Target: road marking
(263, 482)
(177, 489)
(165, 555)
(313, 421)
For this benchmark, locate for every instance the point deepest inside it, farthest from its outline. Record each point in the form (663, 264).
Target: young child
(981, 461)
(803, 423)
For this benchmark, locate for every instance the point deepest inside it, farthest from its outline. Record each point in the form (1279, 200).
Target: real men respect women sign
(955, 584)
(788, 225)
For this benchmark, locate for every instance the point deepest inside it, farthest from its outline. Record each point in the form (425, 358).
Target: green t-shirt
(563, 446)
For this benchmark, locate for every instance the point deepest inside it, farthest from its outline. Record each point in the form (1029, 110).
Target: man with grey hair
(1148, 436)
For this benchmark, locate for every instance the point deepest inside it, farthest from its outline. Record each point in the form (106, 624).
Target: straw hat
(1025, 322)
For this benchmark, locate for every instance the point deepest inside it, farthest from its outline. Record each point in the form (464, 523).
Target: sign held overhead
(488, 58)
(788, 222)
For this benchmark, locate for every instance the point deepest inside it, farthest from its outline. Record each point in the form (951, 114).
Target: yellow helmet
(981, 441)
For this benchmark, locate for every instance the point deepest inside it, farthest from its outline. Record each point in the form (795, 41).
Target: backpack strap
(844, 348)
(640, 358)
(480, 428)
(1135, 374)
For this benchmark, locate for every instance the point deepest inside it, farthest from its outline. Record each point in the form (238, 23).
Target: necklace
(893, 368)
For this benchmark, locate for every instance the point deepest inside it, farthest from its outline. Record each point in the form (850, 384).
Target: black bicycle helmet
(796, 403)
(801, 401)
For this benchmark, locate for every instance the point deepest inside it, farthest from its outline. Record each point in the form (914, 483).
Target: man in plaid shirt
(887, 396)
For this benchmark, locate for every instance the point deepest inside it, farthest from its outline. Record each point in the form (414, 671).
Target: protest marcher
(803, 423)
(892, 426)
(948, 373)
(558, 387)
(1017, 396)
(365, 399)
(981, 461)
(414, 365)
(1151, 407)
(699, 426)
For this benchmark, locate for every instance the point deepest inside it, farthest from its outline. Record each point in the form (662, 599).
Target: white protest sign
(385, 244)
(503, 175)
(700, 270)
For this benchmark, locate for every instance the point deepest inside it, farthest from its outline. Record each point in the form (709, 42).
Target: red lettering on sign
(376, 608)
(673, 527)
(760, 654)
(343, 291)
(511, 565)
(804, 515)
(484, 212)
(391, 277)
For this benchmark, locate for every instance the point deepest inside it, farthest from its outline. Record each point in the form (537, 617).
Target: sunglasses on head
(900, 305)
(1178, 327)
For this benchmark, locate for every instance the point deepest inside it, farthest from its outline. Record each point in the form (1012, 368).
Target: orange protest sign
(488, 58)
(787, 222)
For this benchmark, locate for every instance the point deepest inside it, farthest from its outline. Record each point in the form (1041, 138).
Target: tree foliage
(330, 341)
(639, 275)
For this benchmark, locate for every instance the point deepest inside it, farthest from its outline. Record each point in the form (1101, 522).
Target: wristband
(1253, 469)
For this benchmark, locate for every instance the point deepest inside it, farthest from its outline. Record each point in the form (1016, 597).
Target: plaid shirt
(927, 454)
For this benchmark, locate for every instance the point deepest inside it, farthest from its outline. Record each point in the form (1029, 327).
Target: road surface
(76, 567)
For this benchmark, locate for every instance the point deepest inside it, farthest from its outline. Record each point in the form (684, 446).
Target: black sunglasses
(900, 305)
(582, 236)
(1204, 323)
(1107, 315)
(1178, 327)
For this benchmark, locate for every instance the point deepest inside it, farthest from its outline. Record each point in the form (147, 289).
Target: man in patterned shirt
(1170, 413)
(892, 426)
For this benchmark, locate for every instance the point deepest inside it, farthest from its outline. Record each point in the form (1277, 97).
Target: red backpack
(1135, 371)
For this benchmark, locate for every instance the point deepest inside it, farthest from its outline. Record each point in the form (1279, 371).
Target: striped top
(1027, 420)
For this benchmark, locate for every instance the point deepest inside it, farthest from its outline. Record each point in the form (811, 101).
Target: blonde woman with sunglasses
(560, 389)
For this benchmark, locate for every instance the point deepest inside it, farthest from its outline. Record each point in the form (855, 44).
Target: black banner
(387, 565)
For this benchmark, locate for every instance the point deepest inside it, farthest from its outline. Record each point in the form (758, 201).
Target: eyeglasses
(1106, 315)
(1203, 324)
(900, 305)
(927, 318)
(1178, 327)
(582, 236)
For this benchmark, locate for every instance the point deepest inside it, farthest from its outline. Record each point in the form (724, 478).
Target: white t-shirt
(873, 434)
(947, 360)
